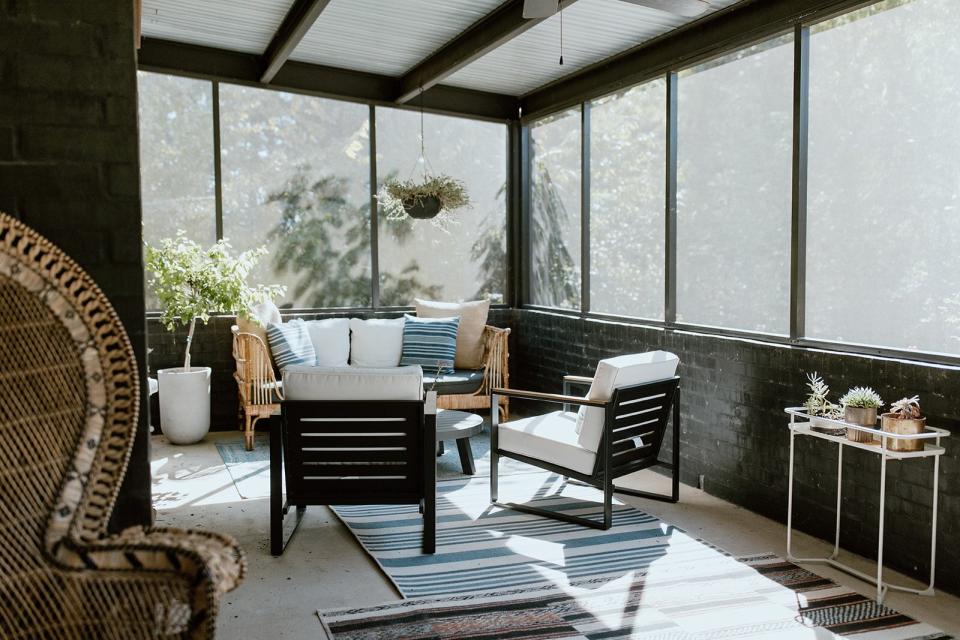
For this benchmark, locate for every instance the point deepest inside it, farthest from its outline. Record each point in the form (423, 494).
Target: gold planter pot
(890, 423)
(863, 416)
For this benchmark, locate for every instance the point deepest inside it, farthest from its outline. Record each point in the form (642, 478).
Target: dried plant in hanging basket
(433, 197)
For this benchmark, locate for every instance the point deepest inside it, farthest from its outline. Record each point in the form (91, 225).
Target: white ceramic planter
(184, 404)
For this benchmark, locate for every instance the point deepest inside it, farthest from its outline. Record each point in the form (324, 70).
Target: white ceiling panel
(386, 36)
(592, 30)
(238, 25)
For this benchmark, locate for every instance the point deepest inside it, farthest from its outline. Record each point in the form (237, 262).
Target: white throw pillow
(616, 373)
(376, 343)
(331, 341)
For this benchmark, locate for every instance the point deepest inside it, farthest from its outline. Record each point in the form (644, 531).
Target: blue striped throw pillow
(290, 343)
(430, 343)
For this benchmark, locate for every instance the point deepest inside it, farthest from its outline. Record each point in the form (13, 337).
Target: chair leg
(607, 503)
(248, 433)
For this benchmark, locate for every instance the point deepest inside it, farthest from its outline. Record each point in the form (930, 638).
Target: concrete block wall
(734, 429)
(69, 159)
(212, 348)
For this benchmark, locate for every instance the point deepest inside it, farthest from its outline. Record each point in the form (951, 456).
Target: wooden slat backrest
(637, 418)
(344, 451)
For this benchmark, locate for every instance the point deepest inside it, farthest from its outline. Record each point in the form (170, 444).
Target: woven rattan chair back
(69, 397)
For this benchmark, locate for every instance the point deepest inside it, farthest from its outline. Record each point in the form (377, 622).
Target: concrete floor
(324, 567)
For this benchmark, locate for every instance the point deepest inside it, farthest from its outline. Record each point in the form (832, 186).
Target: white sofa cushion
(615, 373)
(376, 343)
(331, 341)
(551, 437)
(352, 383)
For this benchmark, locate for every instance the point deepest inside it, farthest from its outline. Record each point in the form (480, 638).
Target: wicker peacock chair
(68, 412)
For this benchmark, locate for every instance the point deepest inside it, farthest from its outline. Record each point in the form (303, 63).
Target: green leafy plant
(817, 402)
(192, 282)
(397, 196)
(907, 408)
(862, 398)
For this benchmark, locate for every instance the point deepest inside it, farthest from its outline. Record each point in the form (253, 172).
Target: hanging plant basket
(422, 209)
(435, 197)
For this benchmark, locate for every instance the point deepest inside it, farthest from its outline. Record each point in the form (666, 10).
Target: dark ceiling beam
(739, 25)
(295, 25)
(208, 63)
(493, 30)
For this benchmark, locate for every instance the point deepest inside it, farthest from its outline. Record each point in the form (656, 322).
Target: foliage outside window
(883, 220)
(176, 159)
(627, 176)
(555, 187)
(296, 176)
(735, 126)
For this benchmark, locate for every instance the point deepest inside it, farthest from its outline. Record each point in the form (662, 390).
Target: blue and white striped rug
(480, 546)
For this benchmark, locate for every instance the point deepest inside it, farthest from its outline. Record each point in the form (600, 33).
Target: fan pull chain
(560, 11)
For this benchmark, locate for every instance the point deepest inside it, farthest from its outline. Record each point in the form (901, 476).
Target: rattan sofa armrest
(547, 397)
(194, 554)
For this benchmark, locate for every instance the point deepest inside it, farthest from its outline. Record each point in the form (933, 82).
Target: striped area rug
(759, 597)
(482, 547)
(499, 573)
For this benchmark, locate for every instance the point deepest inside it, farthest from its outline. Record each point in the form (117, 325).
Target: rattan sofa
(68, 413)
(260, 392)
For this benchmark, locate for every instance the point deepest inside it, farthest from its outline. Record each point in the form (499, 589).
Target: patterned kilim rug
(758, 597)
(500, 573)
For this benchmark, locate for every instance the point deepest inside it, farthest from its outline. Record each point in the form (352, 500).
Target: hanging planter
(435, 196)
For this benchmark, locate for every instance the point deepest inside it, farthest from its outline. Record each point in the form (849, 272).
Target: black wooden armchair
(618, 431)
(352, 451)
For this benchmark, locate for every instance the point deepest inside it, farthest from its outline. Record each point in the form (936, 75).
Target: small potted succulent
(818, 405)
(191, 283)
(434, 195)
(905, 418)
(860, 406)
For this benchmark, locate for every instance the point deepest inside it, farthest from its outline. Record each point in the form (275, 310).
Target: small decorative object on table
(817, 405)
(860, 406)
(904, 419)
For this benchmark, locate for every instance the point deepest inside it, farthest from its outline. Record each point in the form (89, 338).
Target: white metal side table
(801, 424)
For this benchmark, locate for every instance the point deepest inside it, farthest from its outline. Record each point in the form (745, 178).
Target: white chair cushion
(551, 437)
(331, 341)
(615, 373)
(352, 383)
(376, 343)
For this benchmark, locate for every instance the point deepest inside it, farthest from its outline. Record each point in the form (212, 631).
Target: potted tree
(191, 283)
(905, 418)
(860, 406)
(818, 405)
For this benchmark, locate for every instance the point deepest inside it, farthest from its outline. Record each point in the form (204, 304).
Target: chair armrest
(547, 397)
(192, 554)
(578, 379)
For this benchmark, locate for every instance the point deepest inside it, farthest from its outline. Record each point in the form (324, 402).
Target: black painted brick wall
(212, 348)
(734, 434)
(69, 159)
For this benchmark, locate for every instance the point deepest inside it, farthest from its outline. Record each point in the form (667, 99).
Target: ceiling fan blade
(539, 8)
(685, 8)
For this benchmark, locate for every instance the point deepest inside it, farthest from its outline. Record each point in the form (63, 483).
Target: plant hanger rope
(422, 160)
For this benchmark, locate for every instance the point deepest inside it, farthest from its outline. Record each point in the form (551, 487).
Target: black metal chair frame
(617, 455)
(392, 433)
